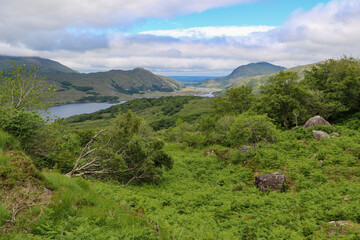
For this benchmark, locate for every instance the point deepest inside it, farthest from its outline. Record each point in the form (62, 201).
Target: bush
(8, 142)
(251, 129)
(56, 147)
(127, 151)
(23, 125)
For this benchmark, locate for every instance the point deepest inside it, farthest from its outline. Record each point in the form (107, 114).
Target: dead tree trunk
(87, 162)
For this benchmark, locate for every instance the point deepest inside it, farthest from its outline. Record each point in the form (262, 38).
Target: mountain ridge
(98, 86)
(243, 71)
(256, 81)
(47, 65)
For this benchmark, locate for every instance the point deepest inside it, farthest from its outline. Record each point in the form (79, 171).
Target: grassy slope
(149, 109)
(204, 197)
(48, 205)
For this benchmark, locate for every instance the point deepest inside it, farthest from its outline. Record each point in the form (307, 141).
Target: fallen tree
(127, 151)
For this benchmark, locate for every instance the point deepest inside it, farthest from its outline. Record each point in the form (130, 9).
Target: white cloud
(210, 32)
(60, 14)
(327, 31)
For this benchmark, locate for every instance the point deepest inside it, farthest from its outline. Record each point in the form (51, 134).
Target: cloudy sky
(180, 37)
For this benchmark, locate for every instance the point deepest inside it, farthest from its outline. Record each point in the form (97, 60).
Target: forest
(185, 167)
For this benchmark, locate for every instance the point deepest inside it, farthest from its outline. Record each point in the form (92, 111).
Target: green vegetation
(260, 80)
(160, 112)
(47, 65)
(241, 72)
(23, 90)
(337, 84)
(76, 87)
(185, 167)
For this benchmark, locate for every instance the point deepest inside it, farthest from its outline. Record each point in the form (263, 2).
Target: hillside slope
(256, 81)
(244, 71)
(95, 87)
(47, 65)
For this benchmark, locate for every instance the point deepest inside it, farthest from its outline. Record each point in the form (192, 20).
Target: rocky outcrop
(317, 120)
(320, 134)
(273, 180)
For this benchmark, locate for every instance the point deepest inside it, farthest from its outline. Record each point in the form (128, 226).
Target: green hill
(244, 71)
(111, 85)
(47, 65)
(95, 87)
(256, 81)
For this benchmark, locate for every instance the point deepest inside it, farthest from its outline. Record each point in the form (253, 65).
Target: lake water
(69, 110)
(210, 94)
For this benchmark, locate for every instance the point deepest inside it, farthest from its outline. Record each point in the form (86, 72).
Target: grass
(76, 211)
(49, 205)
(209, 196)
(204, 197)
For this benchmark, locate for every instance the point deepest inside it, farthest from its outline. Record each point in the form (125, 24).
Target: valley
(173, 165)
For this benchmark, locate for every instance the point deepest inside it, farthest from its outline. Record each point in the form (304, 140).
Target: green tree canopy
(24, 90)
(284, 99)
(237, 100)
(251, 129)
(335, 85)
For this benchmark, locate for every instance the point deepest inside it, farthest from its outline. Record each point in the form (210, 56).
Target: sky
(180, 37)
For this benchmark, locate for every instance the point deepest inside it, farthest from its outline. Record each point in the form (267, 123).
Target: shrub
(251, 129)
(23, 125)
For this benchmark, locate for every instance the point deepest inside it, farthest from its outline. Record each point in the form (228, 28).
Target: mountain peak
(253, 69)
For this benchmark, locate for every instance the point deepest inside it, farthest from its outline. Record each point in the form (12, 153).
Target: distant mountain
(244, 71)
(94, 87)
(47, 65)
(256, 81)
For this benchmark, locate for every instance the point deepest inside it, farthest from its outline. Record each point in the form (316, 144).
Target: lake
(72, 109)
(68, 110)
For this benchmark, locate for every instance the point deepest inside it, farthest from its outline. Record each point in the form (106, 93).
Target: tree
(127, 151)
(335, 85)
(24, 90)
(237, 100)
(282, 97)
(251, 129)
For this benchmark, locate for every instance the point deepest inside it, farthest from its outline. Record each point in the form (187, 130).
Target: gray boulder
(317, 120)
(320, 134)
(273, 180)
(245, 149)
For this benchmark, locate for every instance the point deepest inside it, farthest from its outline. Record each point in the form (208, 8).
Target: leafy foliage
(24, 125)
(128, 151)
(251, 129)
(236, 100)
(24, 90)
(337, 84)
(284, 98)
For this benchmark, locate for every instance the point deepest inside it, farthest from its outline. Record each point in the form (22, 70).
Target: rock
(272, 180)
(334, 134)
(341, 223)
(317, 120)
(245, 149)
(320, 134)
